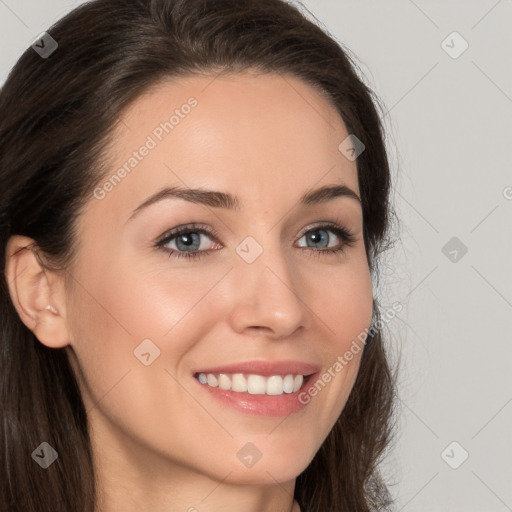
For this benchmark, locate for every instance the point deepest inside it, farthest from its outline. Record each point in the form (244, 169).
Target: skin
(160, 442)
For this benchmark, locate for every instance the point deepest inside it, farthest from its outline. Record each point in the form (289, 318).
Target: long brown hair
(56, 115)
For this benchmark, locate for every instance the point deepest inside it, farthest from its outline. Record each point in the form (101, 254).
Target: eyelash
(347, 238)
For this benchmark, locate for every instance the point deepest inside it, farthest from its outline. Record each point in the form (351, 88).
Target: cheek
(344, 303)
(344, 307)
(122, 305)
(129, 325)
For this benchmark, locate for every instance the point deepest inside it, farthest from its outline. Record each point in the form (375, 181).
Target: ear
(38, 293)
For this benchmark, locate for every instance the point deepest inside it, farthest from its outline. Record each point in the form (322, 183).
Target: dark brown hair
(56, 116)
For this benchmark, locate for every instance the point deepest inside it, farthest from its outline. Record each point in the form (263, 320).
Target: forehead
(262, 136)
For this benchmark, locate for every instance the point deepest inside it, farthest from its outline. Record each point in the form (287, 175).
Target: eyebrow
(224, 200)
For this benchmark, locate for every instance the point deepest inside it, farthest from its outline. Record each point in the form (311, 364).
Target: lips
(265, 388)
(263, 368)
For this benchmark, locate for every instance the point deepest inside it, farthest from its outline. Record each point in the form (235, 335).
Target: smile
(252, 383)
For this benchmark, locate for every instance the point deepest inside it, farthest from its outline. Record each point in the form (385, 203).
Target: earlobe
(52, 309)
(36, 292)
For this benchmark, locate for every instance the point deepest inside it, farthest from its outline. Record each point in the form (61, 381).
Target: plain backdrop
(443, 70)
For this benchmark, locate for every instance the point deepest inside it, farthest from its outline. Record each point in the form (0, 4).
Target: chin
(261, 462)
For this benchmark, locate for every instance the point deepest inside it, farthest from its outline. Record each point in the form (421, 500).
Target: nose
(267, 296)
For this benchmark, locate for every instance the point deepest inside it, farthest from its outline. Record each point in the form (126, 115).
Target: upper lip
(265, 368)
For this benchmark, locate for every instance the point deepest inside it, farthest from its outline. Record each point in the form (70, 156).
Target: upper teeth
(253, 384)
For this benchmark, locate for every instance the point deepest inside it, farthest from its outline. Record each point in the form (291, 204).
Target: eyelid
(337, 227)
(210, 231)
(185, 228)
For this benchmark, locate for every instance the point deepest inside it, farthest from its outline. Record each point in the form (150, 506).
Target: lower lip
(261, 405)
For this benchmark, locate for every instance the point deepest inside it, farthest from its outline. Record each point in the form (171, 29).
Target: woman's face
(271, 289)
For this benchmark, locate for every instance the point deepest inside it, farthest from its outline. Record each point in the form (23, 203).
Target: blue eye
(187, 240)
(319, 236)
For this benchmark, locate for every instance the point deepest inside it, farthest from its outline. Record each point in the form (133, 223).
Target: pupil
(186, 240)
(316, 237)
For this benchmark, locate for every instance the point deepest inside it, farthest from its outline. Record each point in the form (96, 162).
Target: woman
(137, 138)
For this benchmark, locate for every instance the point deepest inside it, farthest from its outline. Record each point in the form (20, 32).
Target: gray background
(449, 123)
